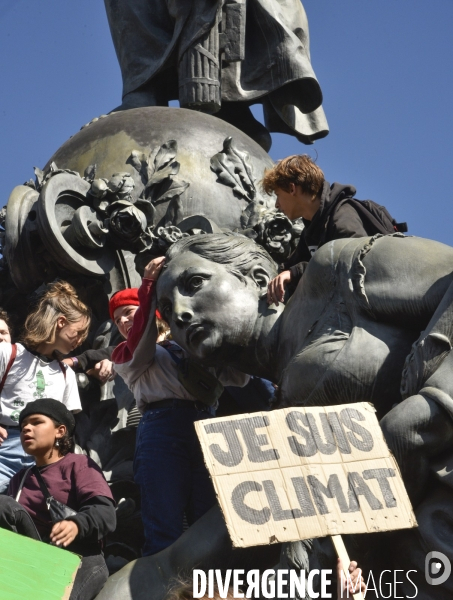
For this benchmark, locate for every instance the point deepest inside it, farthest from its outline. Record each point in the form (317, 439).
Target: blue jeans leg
(12, 458)
(169, 468)
(202, 495)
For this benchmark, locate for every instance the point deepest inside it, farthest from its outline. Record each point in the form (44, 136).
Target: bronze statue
(371, 319)
(221, 56)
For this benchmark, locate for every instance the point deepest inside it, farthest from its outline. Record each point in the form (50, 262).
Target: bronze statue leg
(156, 92)
(409, 548)
(416, 430)
(205, 545)
(240, 115)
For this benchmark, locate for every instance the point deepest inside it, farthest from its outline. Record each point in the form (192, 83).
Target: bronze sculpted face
(210, 310)
(212, 293)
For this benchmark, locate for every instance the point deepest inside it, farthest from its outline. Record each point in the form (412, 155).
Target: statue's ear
(260, 276)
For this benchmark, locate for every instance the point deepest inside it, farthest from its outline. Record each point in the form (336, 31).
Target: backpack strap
(9, 365)
(21, 485)
(41, 482)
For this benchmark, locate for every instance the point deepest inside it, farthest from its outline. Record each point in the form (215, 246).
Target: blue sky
(385, 68)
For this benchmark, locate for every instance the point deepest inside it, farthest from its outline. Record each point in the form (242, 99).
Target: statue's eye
(166, 311)
(195, 282)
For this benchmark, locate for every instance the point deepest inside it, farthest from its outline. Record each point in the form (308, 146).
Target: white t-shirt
(30, 378)
(160, 380)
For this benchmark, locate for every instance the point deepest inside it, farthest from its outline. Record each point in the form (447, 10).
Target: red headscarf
(127, 297)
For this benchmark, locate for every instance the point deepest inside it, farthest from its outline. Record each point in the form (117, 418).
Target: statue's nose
(182, 314)
(183, 319)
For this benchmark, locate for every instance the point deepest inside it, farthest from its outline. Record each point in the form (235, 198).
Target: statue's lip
(193, 330)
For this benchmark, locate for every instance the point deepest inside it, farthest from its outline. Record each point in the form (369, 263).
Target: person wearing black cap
(46, 428)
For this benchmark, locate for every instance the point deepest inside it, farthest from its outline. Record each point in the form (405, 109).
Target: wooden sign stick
(342, 554)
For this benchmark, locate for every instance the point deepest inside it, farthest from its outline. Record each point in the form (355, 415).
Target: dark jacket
(328, 224)
(90, 358)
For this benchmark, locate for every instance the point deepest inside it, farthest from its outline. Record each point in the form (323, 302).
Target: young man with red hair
(329, 212)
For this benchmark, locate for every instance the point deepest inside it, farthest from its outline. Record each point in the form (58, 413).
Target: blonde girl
(32, 370)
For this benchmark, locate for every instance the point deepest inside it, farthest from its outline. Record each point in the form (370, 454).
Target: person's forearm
(140, 347)
(300, 254)
(96, 518)
(88, 359)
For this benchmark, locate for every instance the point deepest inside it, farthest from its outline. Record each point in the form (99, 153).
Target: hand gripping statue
(221, 56)
(371, 320)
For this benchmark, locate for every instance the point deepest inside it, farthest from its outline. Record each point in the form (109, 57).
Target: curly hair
(66, 443)
(298, 169)
(59, 300)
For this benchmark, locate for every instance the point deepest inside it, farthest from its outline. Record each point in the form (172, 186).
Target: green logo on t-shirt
(40, 385)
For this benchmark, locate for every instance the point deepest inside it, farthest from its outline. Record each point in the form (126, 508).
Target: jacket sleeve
(95, 518)
(346, 223)
(300, 254)
(90, 358)
(297, 271)
(134, 356)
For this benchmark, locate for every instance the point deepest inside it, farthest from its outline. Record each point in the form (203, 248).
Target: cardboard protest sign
(31, 569)
(299, 473)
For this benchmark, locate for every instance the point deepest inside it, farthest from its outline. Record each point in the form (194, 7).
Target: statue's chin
(206, 347)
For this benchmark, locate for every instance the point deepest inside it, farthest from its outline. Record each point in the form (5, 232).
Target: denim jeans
(12, 457)
(92, 573)
(171, 474)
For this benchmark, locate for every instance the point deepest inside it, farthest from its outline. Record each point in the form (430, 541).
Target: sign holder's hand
(345, 565)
